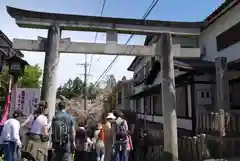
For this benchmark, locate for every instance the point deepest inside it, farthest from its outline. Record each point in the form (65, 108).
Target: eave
(9, 42)
(226, 6)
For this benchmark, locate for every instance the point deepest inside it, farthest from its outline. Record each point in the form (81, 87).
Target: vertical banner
(5, 110)
(26, 100)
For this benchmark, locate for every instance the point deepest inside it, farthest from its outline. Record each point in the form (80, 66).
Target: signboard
(15, 66)
(25, 100)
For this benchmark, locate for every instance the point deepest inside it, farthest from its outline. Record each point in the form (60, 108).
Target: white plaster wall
(208, 36)
(204, 87)
(138, 88)
(181, 123)
(185, 41)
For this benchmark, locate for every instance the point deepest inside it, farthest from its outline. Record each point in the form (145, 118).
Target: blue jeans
(10, 151)
(123, 154)
(60, 154)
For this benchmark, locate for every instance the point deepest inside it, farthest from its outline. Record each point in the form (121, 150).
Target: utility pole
(85, 64)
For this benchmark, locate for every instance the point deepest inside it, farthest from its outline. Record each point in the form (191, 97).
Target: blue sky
(175, 10)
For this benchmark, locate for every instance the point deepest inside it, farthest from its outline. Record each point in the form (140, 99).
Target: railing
(232, 123)
(222, 123)
(199, 148)
(189, 148)
(155, 152)
(193, 148)
(223, 131)
(208, 122)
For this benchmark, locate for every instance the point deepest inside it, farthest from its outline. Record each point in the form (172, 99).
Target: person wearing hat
(10, 136)
(109, 136)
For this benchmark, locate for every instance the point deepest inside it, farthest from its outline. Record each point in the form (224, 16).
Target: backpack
(121, 131)
(60, 129)
(81, 136)
(101, 135)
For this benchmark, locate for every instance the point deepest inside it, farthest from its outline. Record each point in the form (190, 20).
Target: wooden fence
(223, 132)
(219, 137)
(221, 123)
(193, 148)
(189, 148)
(155, 152)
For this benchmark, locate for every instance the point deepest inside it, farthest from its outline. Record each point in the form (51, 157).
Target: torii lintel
(43, 20)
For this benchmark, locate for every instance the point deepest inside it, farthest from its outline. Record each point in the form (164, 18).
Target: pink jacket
(129, 143)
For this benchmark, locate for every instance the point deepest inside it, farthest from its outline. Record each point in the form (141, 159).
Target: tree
(4, 79)
(31, 77)
(77, 86)
(92, 91)
(111, 81)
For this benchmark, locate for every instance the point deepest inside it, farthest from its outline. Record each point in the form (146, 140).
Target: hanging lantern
(16, 65)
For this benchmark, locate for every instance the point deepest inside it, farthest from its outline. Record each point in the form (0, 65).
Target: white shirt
(37, 126)
(10, 131)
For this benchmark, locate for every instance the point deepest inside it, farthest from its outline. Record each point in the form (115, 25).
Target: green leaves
(31, 77)
(75, 88)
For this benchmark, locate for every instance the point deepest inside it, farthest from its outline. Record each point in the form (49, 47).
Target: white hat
(82, 128)
(110, 116)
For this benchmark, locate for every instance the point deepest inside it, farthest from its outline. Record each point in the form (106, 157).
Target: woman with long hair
(99, 142)
(109, 138)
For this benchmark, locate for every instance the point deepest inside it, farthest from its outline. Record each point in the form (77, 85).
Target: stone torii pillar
(165, 53)
(49, 85)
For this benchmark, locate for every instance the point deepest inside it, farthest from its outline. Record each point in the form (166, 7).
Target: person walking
(38, 136)
(109, 132)
(121, 137)
(99, 142)
(129, 146)
(63, 134)
(10, 136)
(81, 143)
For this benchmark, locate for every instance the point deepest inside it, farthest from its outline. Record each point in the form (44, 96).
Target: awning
(147, 92)
(156, 89)
(183, 65)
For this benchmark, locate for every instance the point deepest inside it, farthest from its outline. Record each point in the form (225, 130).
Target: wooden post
(168, 100)
(49, 86)
(222, 83)
(223, 103)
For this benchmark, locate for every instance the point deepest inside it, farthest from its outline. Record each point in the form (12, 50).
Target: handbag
(34, 119)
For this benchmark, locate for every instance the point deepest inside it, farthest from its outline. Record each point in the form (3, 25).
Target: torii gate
(54, 45)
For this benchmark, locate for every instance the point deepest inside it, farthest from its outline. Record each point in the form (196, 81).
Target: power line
(146, 14)
(95, 39)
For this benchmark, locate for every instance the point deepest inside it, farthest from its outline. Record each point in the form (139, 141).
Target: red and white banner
(5, 110)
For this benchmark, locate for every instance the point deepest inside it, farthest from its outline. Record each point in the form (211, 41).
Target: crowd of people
(65, 140)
